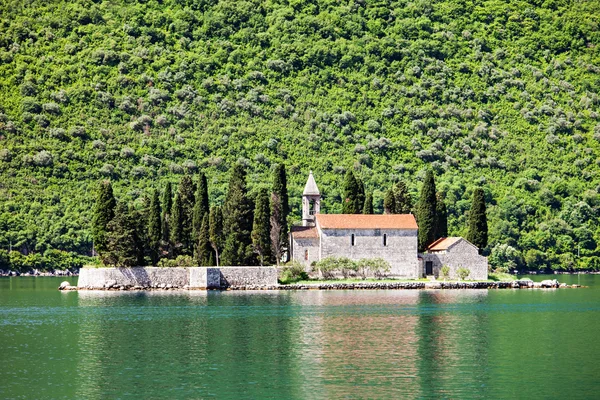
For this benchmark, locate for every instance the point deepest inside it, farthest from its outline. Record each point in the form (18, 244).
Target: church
(392, 237)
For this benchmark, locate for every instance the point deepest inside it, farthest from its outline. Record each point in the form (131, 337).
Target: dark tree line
(244, 231)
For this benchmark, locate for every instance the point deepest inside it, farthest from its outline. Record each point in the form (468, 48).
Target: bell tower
(311, 201)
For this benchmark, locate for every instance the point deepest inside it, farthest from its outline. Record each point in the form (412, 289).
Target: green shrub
(445, 272)
(379, 267)
(180, 261)
(463, 273)
(292, 273)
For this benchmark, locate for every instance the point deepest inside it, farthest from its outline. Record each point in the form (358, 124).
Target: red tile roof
(362, 221)
(443, 243)
(305, 232)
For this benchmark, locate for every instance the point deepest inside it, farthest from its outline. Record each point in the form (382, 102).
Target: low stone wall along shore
(174, 278)
(257, 278)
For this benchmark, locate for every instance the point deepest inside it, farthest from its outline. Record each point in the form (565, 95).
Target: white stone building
(392, 237)
(454, 252)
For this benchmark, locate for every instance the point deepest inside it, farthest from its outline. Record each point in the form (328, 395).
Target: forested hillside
(501, 94)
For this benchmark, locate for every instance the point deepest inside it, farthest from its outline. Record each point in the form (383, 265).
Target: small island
(197, 247)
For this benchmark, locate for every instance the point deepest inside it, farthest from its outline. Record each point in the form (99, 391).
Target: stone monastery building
(392, 237)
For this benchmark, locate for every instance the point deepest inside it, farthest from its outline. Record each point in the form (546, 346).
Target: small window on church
(385, 239)
(352, 240)
(306, 255)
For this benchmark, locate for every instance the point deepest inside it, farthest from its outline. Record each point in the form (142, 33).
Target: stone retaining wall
(175, 278)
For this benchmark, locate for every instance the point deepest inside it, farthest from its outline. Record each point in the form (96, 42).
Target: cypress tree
(360, 196)
(351, 194)
(237, 222)
(104, 212)
(280, 189)
(403, 202)
(278, 242)
(368, 207)
(176, 225)
(426, 212)
(441, 217)
(261, 228)
(477, 221)
(215, 231)
(140, 223)
(155, 227)
(186, 196)
(201, 208)
(167, 206)
(121, 239)
(204, 250)
(389, 202)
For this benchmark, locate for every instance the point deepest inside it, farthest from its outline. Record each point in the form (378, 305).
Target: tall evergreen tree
(104, 212)
(279, 243)
(204, 250)
(477, 221)
(368, 207)
(176, 225)
(237, 221)
(389, 202)
(215, 231)
(403, 201)
(350, 203)
(441, 217)
(167, 206)
(426, 212)
(186, 196)
(280, 189)
(201, 207)
(360, 195)
(155, 227)
(140, 220)
(121, 239)
(261, 227)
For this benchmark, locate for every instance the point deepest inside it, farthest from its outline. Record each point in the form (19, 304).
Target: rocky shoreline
(36, 272)
(517, 284)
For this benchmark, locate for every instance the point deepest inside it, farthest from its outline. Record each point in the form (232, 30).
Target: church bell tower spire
(311, 201)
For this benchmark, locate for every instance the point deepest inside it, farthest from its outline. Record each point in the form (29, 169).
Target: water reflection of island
(304, 344)
(391, 343)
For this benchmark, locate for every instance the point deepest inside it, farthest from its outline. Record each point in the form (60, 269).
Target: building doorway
(428, 267)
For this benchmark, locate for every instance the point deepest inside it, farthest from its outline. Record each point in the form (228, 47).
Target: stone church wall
(400, 251)
(305, 251)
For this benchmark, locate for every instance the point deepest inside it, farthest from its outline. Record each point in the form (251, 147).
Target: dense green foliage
(261, 227)
(201, 207)
(441, 215)
(280, 189)
(123, 242)
(331, 267)
(104, 212)
(497, 94)
(368, 206)
(154, 227)
(402, 199)
(215, 231)
(49, 261)
(237, 221)
(351, 202)
(204, 251)
(477, 222)
(426, 212)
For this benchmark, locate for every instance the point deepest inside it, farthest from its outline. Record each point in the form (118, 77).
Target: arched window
(352, 240)
(306, 255)
(385, 239)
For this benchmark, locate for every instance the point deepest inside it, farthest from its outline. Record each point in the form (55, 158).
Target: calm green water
(351, 344)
